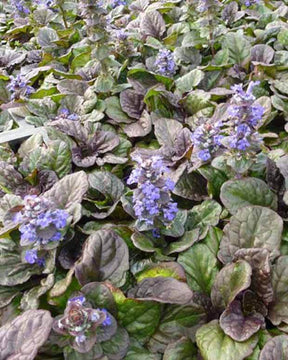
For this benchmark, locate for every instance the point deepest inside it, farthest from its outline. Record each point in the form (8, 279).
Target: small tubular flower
(245, 117)
(152, 198)
(19, 86)
(207, 140)
(164, 63)
(41, 224)
(80, 323)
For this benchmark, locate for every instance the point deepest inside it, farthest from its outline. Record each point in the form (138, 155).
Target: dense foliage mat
(147, 217)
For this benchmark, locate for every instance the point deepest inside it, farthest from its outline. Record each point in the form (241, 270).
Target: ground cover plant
(147, 217)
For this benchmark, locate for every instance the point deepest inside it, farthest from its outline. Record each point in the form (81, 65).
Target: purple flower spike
(152, 198)
(165, 63)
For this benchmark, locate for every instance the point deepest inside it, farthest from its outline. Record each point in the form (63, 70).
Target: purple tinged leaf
(71, 128)
(262, 54)
(21, 338)
(105, 141)
(215, 344)
(132, 103)
(153, 24)
(105, 257)
(238, 326)
(183, 349)
(9, 176)
(229, 282)
(275, 349)
(251, 226)
(110, 187)
(72, 87)
(140, 128)
(164, 290)
(261, 271)
(278, 310)
(69, 190)
(167, 131)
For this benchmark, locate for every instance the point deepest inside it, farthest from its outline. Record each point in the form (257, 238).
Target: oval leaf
(243, 192)
(21, 338)
(105, 257)
(251, 226)
(214, 344)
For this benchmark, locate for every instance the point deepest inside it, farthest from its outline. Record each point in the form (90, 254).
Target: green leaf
(178, 321)
(251, 226)
(7, 294)
(214, 344)
(188, 81)
(187, 240)
(114, 110)
(215, 178)
(30, 299)
(182, 349)
(12, 270)
(200, 262)
(103, 184)
(165, 269)
(278, 310)
(139, 318)
(95, 353)
(99, 295)
(191, 186)
(117, 347)
(229, 282)
(105, 257)
(204, 215)
(238, 47)
(236, 194)
(46, 38)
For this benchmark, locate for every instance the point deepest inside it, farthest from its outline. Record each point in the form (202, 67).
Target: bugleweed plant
(146, 219)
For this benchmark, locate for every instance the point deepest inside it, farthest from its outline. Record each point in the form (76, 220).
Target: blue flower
(207, 140)
(64, 113)
(204, 155)
(31, 257)
(19, 86)
(79, 299)
(115, 3)
(40, 223)
(165, 64)
(245, 117)
(107, 320)
(20, 6)
(152, 198)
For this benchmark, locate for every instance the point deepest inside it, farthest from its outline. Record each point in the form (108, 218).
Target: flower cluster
(66, 114)
(245, 117)
(251, 2)
(20, 7)
(115, 3)
(41, 224)
(207, 140)
(152, 199)
(46, 3)
(80, 323)
(19, 86)
(239, 133)
(164, 63)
